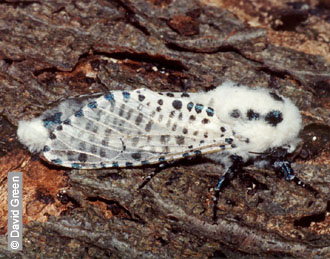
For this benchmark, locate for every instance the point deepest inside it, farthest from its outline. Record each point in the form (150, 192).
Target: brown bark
(51, 50)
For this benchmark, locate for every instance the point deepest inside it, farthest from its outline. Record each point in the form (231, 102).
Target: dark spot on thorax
(235, 113)
(276, 97)
(274, 118)
(251, 115)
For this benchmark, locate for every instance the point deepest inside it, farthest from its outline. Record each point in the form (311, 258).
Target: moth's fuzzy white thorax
(32, 134)
(229, 97)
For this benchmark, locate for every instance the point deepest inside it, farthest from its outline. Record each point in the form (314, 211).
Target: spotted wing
(135, 128)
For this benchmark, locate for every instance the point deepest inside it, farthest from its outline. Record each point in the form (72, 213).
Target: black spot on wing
(139, 119)
(199, 107)
(136, 156)
(79, 114)
(93, 149)
(52, 136)
(121, 110)
(192, 118)
(135, 141)
(50, 121)
(67, 122)
(179, 140)
(129, 114)
(149, 126)
(210, 111)
(82, 157)
(92, 105)
(126, 95)
(103, 152)
(108, 132)
(82, 146)
(205, 121)
(128, 164)
(164, 139)
(177, 104)
(190, 105)
(174, 127)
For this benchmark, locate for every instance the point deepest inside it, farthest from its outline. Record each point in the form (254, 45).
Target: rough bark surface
(51, 50)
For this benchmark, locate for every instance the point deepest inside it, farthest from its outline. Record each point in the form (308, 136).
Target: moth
(230, 125)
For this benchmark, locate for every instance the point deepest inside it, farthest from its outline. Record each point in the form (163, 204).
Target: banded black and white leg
(230, 173)
(158, 169)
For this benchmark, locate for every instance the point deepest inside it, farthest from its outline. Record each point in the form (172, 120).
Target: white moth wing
(137, 127)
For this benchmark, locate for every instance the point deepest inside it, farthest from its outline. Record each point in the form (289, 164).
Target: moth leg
(284, 167)
(230, 173)
(155, 172)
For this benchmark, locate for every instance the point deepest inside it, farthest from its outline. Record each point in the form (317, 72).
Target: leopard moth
(231, 125)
